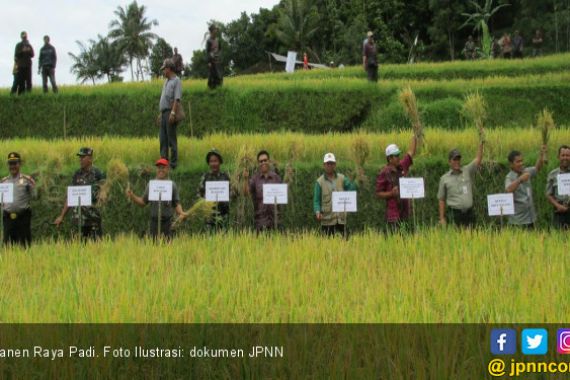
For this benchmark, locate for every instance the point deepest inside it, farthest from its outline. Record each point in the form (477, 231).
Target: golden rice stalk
(201, 210)
(409, 102)
(117, 173)
(245, 164)
(360, 154)
(545, 122)
(475, 110)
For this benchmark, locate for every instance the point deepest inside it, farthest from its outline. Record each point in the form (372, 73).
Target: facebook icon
(503, 342)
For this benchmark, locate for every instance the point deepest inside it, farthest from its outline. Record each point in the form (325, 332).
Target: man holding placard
(518, 182)
(388, 186)
(87, 217)
(265, 214)
(331, 181)
(219, 194)
(455, 191)
(165, 200)
(558, 189)
(17, 215)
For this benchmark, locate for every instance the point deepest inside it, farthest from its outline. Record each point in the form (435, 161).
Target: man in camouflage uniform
(221, 219)
(17, 216)
(87, 175)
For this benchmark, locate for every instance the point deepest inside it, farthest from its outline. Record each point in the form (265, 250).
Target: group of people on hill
(22, 71)
(506, 46)
(455, 194)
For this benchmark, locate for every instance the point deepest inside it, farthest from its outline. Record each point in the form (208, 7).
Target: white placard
(217, 191)
(6, 193)
(501, 204)
(275, 192)
(291, 58)
(563, 184)
(344, 201)
(412, 188)
(159, 190)
(77, 193)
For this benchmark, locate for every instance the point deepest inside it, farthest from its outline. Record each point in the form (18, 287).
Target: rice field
(431, 277)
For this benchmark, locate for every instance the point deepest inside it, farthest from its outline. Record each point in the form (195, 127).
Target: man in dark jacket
(213, 51)
(23, 56)
(48, 60)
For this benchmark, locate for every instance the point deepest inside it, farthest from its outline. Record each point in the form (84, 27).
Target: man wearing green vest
(331, 222)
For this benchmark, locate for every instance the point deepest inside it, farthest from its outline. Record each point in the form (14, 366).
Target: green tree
(297, 25)
(479, 19)
(160, 51)
(131, 31)
(84, 65)
(109, 59)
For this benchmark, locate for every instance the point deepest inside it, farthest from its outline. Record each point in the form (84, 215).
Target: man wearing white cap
(387, 184)
(331, 222)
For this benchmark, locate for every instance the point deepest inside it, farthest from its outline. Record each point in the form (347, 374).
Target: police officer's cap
(85, 151)
(214, 152)
(14, 157)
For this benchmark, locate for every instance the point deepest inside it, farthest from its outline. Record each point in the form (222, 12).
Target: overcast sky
(181, 23)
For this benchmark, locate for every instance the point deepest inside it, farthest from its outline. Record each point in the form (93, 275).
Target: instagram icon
(563, 341)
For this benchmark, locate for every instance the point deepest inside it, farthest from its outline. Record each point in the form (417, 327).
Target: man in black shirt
(46, 67)
(23, 56)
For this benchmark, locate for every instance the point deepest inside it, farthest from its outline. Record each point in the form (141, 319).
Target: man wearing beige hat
(17, 215)
(331, 222)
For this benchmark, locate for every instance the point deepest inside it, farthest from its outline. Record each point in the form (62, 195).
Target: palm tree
(109, 59)
(84, 66)
(131, 31)
(480, 21)
(297, 25)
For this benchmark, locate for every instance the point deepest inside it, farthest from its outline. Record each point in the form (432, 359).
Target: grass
(497, 278)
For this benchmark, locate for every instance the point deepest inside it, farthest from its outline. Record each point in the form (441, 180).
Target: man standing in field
(23, 56)
(221, 220)
(455, 192)
(561, 203)
(388, 182)
(87, 175)
(169, 103)
(46, 66)
(370, 58)
(264, 213)
(167, 208)
(331, 222)
(213, 52)
(178, 62)
(518, 182)
(17, 216)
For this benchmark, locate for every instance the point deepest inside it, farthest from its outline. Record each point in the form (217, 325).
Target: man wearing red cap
(167, 207)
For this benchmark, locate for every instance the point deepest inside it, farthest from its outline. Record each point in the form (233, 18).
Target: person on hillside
(305, 62)
(23, 55)
(17, 215)
(46, 65)
(537, 42)
(178, 62)
(264, 213)
(388, 185)
(167, 208)
(330, 181)
(220, 221)
(495, 48)
(213, 52)
(455, 191)
(518, 45)
(506, 46)
(518, 182)
(561, 203)
(469, 49)
(15, 84)
(169, 102)
(370, 59)
(87, 175)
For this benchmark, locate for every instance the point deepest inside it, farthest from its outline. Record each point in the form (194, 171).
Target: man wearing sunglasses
(17, 216)
(264, 213)
(455, 191)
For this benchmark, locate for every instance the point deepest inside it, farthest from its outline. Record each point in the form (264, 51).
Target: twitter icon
(534, 341)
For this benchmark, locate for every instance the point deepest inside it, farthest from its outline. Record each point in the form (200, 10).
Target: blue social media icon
(503, 342)
(534, 341)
